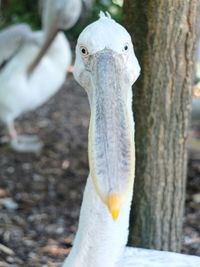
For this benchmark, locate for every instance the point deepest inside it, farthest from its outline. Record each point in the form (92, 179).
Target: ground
(40, 195)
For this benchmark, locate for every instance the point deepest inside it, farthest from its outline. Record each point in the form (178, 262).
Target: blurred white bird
(106, 67)
(33, 66)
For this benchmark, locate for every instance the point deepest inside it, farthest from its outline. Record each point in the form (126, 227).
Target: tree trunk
(164, 34)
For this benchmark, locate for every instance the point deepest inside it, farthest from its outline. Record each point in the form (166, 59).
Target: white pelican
(33, 66)
(106, 67)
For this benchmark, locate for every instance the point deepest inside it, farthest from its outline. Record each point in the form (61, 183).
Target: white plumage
(106, 67)
(21, 91)
(137, 257)
(12, 38)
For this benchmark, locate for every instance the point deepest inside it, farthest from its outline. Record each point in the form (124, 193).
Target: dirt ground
(40, 195)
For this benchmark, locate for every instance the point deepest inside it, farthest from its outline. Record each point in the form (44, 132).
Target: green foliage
(110, 6)
(15, 11)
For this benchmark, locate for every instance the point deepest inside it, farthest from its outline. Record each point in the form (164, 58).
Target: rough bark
(164, 36)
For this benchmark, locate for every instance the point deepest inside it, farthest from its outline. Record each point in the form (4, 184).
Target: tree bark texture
(164, 35)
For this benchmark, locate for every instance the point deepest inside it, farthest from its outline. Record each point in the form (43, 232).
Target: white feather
(18, 93)
(11, 40)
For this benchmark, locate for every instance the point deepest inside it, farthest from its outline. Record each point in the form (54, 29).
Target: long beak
(50, 38)
(111, 143)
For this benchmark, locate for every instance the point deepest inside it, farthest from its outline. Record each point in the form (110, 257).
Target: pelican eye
(125, 47)
(84, 51)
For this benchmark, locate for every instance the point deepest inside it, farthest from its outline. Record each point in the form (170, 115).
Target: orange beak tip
(70, 69)
(115, 214)
(114, 204)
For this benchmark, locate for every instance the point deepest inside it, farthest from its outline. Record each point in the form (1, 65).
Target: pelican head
(60, 14)
(57, 15)
(106, 67)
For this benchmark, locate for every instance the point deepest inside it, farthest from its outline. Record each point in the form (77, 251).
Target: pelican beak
(70, 69)
(48, 41)
(111, 142)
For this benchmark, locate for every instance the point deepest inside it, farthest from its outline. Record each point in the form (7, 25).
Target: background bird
(33, 66)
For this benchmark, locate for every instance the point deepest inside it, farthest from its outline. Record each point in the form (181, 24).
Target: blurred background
(13, 12)
(40, 193)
